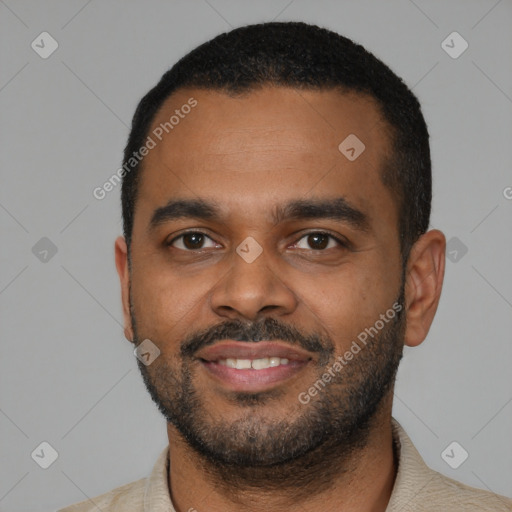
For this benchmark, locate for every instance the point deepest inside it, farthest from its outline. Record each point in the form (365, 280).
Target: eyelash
(335, 238)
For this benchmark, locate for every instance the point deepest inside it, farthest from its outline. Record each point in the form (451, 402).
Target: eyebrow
(338, 209)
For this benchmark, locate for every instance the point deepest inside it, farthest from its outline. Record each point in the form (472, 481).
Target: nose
(251, 288)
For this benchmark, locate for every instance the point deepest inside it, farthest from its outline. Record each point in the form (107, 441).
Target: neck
(361, 479)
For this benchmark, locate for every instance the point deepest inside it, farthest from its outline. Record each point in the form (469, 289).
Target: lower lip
(253, 380)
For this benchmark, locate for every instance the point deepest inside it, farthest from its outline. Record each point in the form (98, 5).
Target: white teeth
(260, 364)
(255, 364)
(243, 364)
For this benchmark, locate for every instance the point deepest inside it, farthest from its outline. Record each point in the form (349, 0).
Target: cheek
(351, 299)
(165, 303)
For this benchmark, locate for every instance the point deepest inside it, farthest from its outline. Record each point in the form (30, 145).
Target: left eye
(319, 241)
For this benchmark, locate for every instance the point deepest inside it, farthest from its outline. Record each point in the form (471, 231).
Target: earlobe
(121, 258)
(424, 282)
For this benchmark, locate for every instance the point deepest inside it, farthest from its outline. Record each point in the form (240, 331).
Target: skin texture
(251, 154)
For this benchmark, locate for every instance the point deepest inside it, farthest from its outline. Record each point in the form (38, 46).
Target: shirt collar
(156, 494)
(413, 474)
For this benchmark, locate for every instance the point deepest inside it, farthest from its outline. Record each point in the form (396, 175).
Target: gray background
(67, 374)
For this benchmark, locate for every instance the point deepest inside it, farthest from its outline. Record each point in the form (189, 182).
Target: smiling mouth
(255, 364)
(252, 366)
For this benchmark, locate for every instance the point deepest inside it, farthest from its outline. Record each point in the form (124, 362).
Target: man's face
(288, 290)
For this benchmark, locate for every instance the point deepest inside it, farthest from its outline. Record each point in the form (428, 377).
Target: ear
(423, 284)
(121, 252)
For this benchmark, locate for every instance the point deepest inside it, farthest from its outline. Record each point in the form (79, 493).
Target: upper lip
(252, 350)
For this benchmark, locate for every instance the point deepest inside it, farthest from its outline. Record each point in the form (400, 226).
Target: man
(275, 260)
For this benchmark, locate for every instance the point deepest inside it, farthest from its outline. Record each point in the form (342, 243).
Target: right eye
(190, 241)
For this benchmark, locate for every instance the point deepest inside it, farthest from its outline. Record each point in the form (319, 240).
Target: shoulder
(129, 497)
(453, 495)
(419, 488)
(151, 493)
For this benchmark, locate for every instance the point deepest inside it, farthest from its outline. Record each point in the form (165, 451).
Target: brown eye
(192, 241)
(318, 241)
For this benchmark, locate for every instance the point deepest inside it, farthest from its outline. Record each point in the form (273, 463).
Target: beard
(305, 447)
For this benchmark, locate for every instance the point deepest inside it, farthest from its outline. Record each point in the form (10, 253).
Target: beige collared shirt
(417, 489)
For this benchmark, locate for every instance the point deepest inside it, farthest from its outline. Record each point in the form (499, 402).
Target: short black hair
(302, 56)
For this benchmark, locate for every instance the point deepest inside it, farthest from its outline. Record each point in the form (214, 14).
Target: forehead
(253, 151)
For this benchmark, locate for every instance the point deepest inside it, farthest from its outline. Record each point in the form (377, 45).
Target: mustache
(266, 329)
